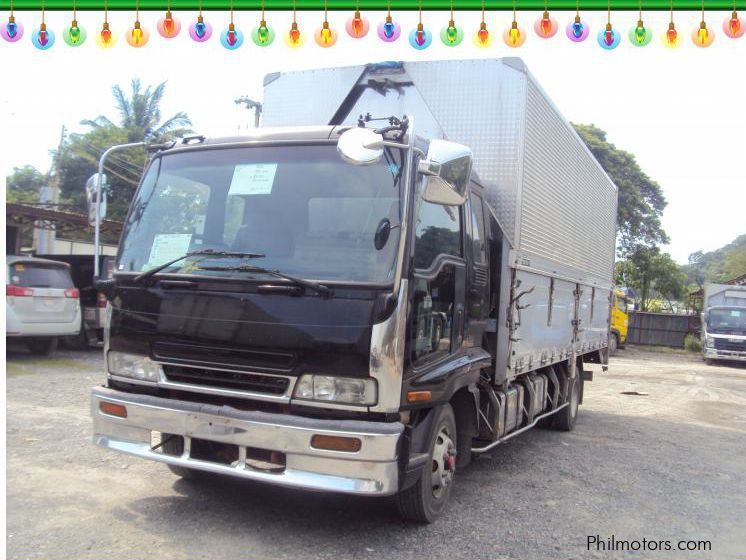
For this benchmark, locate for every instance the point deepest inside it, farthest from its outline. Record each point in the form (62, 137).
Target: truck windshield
(726, 319)
(305, 210)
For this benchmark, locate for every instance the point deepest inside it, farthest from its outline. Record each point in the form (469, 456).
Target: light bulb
(200, 30)
(357, 26)
(640, 35)
(702, 36)
(482, 37)
(263, 35)
(325, 36)
(137, 36)
(294, 38)
(733, 26)
(514, 36)
(105, 38)
(578, 30)
(420, 38)
(609, 38)
(231, 37)
(42, 38)
(546, 26)
(671, 36)
(169, 26)
(74, 35)
(388, 30)
(11, 31)
(451, 35)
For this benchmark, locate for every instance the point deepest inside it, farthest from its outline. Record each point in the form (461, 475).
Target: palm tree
(141, 115)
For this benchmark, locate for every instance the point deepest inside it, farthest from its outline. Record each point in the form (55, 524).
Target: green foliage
(24, 184)
(692, 343)
(641, 200)
(653, 275)
(720, 265)
(140, 121)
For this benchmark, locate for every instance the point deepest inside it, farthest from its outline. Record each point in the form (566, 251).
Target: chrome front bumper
(373, 470)
(717, 354)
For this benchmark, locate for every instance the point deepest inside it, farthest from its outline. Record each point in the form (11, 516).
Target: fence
(661, 329)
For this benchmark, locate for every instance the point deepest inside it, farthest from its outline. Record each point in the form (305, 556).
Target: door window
(478, 249)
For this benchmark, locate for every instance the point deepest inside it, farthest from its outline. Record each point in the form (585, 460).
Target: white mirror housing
(450, 163)
(360, 146)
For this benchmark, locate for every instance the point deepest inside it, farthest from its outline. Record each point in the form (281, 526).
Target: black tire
(708, 362)
(42, 346)
(613, 344)
(78, 341)
(425, 501)
(174, 445)
(564, 420)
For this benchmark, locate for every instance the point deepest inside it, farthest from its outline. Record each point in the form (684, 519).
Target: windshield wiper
(203, 253)
(320, 289)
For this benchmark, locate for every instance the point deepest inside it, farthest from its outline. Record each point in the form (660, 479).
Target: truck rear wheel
(426, 500)
(564, 420)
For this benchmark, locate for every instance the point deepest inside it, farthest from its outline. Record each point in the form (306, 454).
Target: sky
(682, 111)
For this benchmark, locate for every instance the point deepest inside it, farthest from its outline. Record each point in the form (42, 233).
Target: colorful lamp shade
(640, 35)
(168, 26)
(609, 38)
(577, 30)
(325, 35)
(451, 34)
(262, 35)
(106, 38)
(483, 38)
(200, 30)
(702, 36)
(74, 35)
(420, 38)
(231, 37)
(546, 26)
(514, 36)
(671, 37)
(357, 26)
(43, 38)
(11, 30)
(388, 30)
(137, 36)
(734, 26)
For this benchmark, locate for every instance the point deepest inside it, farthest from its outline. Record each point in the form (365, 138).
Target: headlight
(709, 342)
(343, 390)
(133, 365)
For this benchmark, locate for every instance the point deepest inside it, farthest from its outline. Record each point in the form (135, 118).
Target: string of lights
(358, 26)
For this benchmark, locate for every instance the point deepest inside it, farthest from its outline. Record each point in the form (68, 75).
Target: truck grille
(235, 380)
(725, 344)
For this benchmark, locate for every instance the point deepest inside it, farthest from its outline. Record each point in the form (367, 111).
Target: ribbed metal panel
(568, 204)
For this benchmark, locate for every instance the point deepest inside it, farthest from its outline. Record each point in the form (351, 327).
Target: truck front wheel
(426, 500)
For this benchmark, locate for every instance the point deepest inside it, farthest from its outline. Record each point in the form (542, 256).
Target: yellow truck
(619, 321)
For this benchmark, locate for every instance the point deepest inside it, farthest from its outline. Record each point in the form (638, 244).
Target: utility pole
(49, 196)
(251, 104)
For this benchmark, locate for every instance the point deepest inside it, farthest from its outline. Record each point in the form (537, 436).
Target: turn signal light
(336, 443)
(18, 291)
(113, 409)
(419, 396)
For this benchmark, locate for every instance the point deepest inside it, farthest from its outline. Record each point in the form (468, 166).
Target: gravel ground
(665, 465)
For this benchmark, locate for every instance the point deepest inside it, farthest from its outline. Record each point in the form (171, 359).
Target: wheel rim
(443, 463)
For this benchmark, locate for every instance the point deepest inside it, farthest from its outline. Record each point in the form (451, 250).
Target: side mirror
(360, 146)
(91, 189)
(448, 165)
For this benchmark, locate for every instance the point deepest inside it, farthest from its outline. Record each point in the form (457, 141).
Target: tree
(24, 184)
(720, 265)
(141, 115)
(653, 275)
(641, 201)
(140, 120)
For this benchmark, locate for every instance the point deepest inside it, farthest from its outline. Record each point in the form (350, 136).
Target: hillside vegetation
(717, 266)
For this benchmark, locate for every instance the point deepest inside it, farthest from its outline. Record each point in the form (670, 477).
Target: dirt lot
(666, 465)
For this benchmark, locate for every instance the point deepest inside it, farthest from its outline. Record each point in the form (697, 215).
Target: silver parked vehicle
(41, 303)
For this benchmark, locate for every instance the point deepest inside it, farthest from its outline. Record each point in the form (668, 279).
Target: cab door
(437, 285)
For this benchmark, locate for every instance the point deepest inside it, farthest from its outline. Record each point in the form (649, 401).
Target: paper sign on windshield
(167, 247)
(253, 178)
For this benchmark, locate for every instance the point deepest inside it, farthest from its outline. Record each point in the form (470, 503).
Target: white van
(41, 303)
